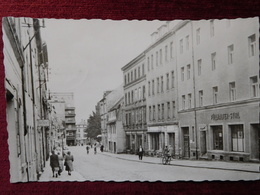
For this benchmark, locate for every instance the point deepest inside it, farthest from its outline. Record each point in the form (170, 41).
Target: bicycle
(166, 159)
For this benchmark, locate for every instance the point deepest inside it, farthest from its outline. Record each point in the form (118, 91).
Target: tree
(94, 125)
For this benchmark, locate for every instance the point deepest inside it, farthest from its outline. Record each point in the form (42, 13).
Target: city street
(113, 167)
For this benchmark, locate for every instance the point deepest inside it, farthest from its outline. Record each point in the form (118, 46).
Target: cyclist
(166, 153)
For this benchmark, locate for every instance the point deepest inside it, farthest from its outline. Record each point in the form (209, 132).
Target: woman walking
(68, 162)
(60, 157)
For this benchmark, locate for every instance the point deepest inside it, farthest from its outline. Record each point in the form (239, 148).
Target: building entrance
(203, 142)
(255, 144)
(186, 142)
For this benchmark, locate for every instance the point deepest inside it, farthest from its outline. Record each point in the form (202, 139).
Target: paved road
(106, 168)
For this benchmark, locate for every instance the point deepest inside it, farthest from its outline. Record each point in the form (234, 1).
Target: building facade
(135, 125)
(115, 132)
(81, 135)
(26, 76)
(70, 122)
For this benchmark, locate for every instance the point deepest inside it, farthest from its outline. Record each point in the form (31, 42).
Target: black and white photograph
(132, 100)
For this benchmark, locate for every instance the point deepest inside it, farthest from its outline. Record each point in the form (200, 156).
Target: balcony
(70, 121)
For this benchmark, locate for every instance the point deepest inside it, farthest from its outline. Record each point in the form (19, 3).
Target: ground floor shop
(135, 139)
(161, 136)
(229, 133)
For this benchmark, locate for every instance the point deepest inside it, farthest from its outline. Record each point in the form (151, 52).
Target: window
(166, 53)
(161, 84)
(152, 62)
(254, 86)
(148, 64)
(143, 92)
(251, 45)
(173, 109)
(232, 91)
(139, 93)
(172, 79)
(128, 77)
(192, 134)
(199, 67)
(158, 85)
(149, 88)
(188, 71)
(171, 49)
(157, 58)
(128, 97)
(132, 96)
(198, 36)
(213, 61)
(136, 95)
(183, 102)
(131, 76)
(153, 112)
(182, 74)
(212, 28)
(139, 70)
(181, 46)
(217, 137)
(237, 138)
(201, 98)
(215, 95)
(125, 79)
(189, 100)
(161, 56)
(162, 111)
(150, 113)
(167, 81)
(152, 87)
(159, 111)
(135, 75)
(187, 42)
(168, 110)
(142, 69)
(125, 99)
(230, 54)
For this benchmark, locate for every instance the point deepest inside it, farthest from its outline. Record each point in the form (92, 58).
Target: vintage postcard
(104, 100)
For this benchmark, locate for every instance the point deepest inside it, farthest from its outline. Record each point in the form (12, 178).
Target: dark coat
(54, 160)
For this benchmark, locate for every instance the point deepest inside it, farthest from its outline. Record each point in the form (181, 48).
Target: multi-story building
(26, 76)
(202, 80)
(70, 122)
(110, 98)
(81, 135)
(115, 132)
(135, 104)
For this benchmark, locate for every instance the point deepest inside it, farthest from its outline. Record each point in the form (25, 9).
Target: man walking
(140, 153)
(54, 163)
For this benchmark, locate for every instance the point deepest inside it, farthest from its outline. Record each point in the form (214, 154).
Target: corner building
(134, 123)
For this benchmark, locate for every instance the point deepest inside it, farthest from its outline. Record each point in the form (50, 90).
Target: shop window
(217, 137)
(237, 136)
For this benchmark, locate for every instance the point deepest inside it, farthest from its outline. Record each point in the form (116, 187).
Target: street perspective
(103, 100)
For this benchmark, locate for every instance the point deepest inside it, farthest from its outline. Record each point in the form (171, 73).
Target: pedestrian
(87, 148)
(102, 148)
(60, 157)
(140, 153)
(54, 163)
(95, 148)
(69, 162)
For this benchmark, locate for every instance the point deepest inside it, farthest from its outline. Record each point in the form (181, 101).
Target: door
(203, 142)
(186, 142)
(172, 142)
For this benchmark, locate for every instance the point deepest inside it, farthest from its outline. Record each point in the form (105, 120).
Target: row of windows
(254, 90)
(168, 54)
(160, 84)
(135, 116)
(134, 74)
(135, 95)
(168, 108)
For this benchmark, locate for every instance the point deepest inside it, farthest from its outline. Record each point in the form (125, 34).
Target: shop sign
(225, 116)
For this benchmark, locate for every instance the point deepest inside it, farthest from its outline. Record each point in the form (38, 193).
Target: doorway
(186, 142)
(255, 144)
(203, 142)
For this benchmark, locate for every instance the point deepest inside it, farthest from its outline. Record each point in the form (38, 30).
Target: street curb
(217, 168)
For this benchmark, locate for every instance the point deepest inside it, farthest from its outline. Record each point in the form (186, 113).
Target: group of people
(167, 152)
(95, 148)
(58, 161)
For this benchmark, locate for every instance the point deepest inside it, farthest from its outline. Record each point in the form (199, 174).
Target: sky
(86, 56)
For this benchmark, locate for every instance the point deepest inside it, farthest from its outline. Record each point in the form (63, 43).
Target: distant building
(70, 122)
(81, 135)
(26, 77)
(115, 132)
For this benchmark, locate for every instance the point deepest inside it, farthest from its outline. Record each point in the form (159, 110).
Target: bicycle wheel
(169, 160)
(164, 160)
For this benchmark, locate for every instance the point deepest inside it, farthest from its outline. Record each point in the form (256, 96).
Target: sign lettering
(231, 116)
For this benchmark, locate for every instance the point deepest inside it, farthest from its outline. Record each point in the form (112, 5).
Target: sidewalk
(231, 166)
(47, 175)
